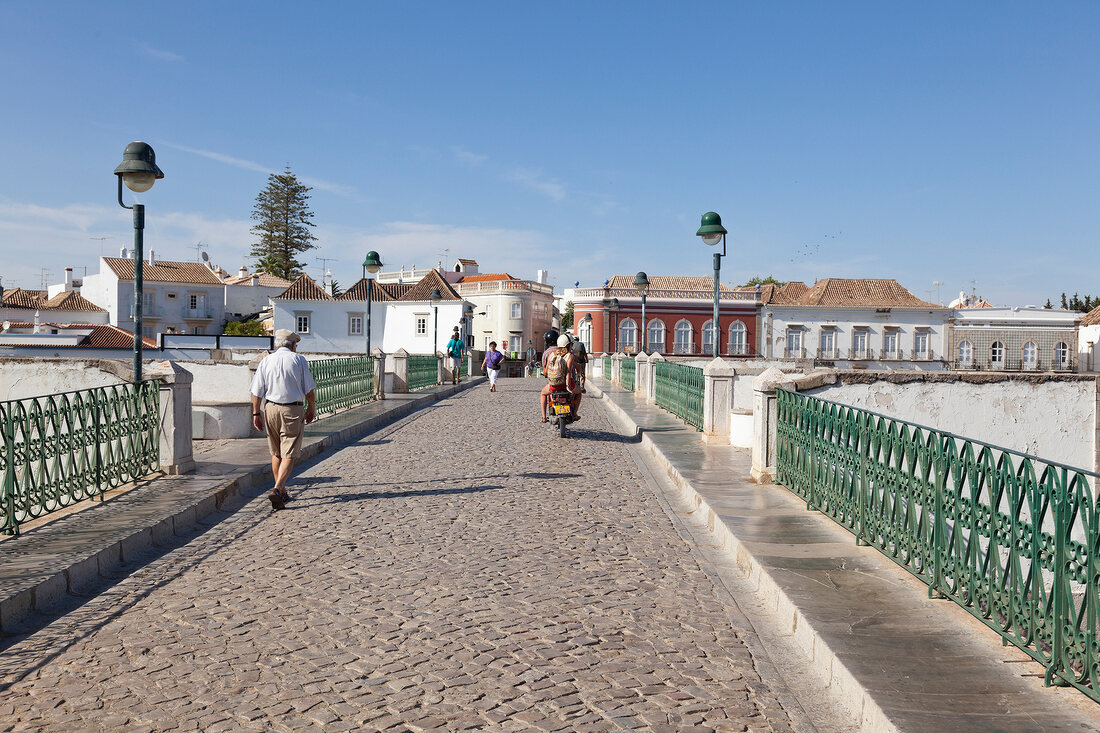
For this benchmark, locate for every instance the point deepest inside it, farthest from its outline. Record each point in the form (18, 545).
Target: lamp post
(467, 324)
(435, 297)
(139, 171)
(613, 306)
(371, 264)
(712, 232)
(641, 282)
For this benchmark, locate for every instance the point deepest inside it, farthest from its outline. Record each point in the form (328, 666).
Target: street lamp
(613, 306)
(468, 324)
(435, 297)
(371, 264)
(139, 171)
(712, 232)
(641, 282)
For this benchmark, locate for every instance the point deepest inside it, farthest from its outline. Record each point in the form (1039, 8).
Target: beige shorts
(285, 424)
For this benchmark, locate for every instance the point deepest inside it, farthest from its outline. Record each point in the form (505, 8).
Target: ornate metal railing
(343, 383)
(679, 389)
(63, 448)
(607, 368)
(423, 371)
(1011, 538)
(626, 379)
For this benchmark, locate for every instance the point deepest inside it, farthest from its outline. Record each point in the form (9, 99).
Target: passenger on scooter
(564, 353)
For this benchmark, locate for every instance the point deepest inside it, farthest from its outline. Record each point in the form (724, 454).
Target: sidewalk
(71, 555)
(906, 662)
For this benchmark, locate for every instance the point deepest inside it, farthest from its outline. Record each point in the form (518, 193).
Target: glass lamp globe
(139, 182)
(711, 239)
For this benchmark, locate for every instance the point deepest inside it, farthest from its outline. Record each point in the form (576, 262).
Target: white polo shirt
(283, 377)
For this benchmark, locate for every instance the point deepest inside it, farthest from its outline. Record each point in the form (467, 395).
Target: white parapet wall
(221, 405)
(21, 378)
(1052, 416)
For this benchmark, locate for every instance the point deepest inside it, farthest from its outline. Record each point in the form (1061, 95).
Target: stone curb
(84, 576)
(851, 691)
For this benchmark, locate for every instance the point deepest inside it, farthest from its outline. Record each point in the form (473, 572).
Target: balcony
(861, 354)
(198, 314)
(503, 286)
(895, 355)
(794, 353)
(738, 350)
(922, 356)
(828, 353)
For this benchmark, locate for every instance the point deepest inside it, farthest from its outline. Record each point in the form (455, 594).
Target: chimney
(242, 272)
(123, 253)
(152, 257)
(542, 276)
(37, 325)
(68, 279)
(255, 280)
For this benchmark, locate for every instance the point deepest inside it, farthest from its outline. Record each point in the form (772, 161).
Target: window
(656, 336)
(828, 343)
(859, 344)
(708, 338)
(890, 345)
(421, 325)
(198, 330)
(997, 355)
(1061, 356)
(355, 324)
(301, 322)
(586, 334)
(149, 303)
(964, 353)
(628, 335)
(682, 336)
(1030, 355)
(170, 296)
(794, 342)
(920, 345)
(737, 343)
(517, 310)
(193, 301)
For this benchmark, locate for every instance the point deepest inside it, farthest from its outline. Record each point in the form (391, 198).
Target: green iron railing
(607, 368)
(1011, 538)
(343, 383)
(627, 370)
(678, 388)
(423, 371)
(63, 448)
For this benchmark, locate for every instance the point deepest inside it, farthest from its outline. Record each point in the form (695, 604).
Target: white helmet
(563, 340)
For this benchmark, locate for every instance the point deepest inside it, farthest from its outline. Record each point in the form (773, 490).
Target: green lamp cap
(372, 260)
(711, 224)
(138, 157)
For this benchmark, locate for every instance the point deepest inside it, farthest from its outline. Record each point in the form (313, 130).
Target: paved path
(456, 570)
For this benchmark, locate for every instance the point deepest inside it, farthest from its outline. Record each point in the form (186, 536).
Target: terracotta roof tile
(304, 288)
(786, 294)
(380, 292)
(19, 298)
(164, 272)
(669, 282)
(72, 301)
(486, 278)
(1091, 318)
(423, 289)
(267, 280)
(881, 293)
(102, 336)
(467, 262)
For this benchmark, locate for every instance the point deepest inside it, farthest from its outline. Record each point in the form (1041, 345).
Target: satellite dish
(205, 257)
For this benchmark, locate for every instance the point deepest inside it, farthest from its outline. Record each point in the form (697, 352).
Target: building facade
(1014, 339)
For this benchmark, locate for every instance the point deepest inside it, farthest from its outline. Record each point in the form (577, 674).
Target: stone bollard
(379, 373)
(764, 423)
(440, 368)
(651, 384)
(641, 372)
(718, 378)
(400, 372)
(617, 369)
(174, 384)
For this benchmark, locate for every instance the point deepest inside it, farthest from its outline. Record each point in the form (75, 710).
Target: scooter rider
(562, 351)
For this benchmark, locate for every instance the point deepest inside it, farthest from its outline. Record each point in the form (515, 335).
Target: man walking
(455, 350)
(283, 380)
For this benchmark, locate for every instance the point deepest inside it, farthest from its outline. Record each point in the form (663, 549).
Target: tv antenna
(325, 272)
(100, 240)
(200, 252)
(937, 284)
(45, 278)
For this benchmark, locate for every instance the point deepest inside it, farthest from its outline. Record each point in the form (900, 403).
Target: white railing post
(617, 369)
(651, 384)
(641, 372)
(379, 373)
(764, 421)
(718, 377)
(174, 384)
(400, 372)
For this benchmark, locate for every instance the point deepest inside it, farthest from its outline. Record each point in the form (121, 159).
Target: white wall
(53, 315)
(243, 300)
(1052, 419)
(1087, 357)
(400, 329)
(22, 378)
(393, 325)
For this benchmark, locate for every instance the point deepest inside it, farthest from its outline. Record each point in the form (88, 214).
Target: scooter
(561, 409)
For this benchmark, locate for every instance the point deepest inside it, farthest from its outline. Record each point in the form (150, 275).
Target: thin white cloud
(465, 156)
(248, 165)
(534, 180)
(159, 54)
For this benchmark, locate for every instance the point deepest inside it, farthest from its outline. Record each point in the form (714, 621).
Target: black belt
(284, 404)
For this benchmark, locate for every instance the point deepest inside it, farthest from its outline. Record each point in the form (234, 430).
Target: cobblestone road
(454, 571)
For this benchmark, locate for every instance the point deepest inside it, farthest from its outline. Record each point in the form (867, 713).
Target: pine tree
(1048, 306)
(1088, 304)
(1064, 305)
(283, 229)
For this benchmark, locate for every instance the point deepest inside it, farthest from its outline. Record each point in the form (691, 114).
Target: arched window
(585, 334)
(964, 354)
(656, 335)
(1030, 355)
(997, 355)
(1061, 355)
(628, 335)
(737, 344)
(708, 338)
(682, 336)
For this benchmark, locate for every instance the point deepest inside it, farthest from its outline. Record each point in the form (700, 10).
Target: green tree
(283, 225)
(769, 280)
(1048, 306)
(244, 328)
(567, 316)
(1064, 305)
(336, 289)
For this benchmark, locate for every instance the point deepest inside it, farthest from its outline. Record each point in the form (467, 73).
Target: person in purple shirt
(493, 360)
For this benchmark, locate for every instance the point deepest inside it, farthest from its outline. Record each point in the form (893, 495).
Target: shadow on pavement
(341, 498)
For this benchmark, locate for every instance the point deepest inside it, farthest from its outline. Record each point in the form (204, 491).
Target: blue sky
(922, 141)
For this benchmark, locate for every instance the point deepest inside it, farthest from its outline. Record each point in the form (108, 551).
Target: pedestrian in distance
(455, 349)
(284, 385)
(580, 359)
(493, 360)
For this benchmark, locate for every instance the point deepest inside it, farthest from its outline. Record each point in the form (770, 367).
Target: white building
(56, 306)
(1021, 338)
(1088, 334)
(178, 297)
(77, 340)
(853, 323)
(402, 316)
(248, 294)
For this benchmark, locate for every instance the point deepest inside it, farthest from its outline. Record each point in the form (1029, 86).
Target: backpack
(454, 348)
(555, 368)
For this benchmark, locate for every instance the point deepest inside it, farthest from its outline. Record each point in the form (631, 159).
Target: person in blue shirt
(455, 349)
